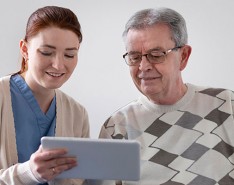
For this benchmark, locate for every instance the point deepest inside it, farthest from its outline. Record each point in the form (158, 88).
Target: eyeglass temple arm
(125, 55)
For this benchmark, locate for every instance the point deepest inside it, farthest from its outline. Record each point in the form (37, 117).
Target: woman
(31, 106)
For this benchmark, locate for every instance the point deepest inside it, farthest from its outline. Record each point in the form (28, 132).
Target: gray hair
(150, 17)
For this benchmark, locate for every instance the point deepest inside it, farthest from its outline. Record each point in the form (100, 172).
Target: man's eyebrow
(134, 52)
(155, 49)
(159, 49)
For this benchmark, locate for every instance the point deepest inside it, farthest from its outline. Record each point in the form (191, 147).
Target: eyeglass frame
(164, 53)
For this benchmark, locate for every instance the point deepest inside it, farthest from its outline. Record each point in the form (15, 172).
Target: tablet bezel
(103, 159)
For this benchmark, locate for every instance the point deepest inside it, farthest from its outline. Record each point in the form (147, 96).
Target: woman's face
(52, 56)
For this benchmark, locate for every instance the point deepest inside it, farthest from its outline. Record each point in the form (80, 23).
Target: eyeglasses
(154, 57)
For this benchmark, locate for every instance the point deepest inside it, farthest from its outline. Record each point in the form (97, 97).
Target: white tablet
(105, 159)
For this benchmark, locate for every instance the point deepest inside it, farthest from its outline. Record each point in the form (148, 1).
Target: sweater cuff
(27, 176)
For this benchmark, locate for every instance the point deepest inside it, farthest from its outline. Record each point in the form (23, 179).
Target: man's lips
(149, 78)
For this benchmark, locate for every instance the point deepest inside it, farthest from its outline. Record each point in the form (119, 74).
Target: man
(185, 131)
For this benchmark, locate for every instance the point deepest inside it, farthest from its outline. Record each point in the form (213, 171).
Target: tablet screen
(105, 159)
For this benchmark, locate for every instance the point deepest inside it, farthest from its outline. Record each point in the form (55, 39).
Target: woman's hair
(150, 17)
(50, 16)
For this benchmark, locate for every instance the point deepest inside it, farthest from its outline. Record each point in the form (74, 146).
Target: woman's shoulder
(5, 79)
(5, 85)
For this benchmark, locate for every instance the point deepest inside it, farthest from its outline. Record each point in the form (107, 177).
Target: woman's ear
(185, 53)
(24, 49)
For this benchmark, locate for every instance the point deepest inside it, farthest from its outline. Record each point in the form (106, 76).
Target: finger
(51, 154)
(59, 169)
(62, 161)
(39, 149)
(54, 172)
(50, 174)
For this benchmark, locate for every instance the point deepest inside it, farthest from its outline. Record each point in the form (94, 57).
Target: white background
(101, 81)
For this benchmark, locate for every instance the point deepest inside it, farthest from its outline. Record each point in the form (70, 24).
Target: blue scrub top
(30, 122)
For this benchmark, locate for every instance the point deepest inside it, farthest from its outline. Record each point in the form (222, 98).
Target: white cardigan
(71, 121)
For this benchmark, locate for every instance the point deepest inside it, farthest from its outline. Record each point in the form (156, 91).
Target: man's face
(156, 81)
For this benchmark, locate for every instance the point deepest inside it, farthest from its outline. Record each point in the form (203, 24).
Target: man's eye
(156, 54)
(135, 57)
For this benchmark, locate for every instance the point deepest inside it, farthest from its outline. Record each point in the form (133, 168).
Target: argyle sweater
(188, 143)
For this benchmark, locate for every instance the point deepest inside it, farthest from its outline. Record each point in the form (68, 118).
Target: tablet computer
(106, 159)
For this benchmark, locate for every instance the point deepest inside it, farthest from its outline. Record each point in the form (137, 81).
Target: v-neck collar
(32, 102)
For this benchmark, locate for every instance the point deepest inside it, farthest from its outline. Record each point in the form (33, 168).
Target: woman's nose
(58, 62)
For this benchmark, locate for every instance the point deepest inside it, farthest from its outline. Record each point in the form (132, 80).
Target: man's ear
(24, 49)
(185, 53)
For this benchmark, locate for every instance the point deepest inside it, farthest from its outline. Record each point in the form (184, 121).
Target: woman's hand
(47, 164)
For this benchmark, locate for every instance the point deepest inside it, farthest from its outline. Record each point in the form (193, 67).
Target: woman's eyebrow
(53, 47)
(74, 48)
(48, 46)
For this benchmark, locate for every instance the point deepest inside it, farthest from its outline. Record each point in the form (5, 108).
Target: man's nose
(145, 65)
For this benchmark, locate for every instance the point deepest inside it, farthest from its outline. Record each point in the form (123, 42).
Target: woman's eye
(69, 56)
(46, 53)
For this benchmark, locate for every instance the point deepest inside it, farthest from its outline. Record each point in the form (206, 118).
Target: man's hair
(149, 17)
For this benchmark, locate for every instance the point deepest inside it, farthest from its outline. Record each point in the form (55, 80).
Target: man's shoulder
(128, 106)
(212, 91)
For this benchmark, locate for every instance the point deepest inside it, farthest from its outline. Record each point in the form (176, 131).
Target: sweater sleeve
(85, 129)
(233, 103)
(72, 121)
(19, 174)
